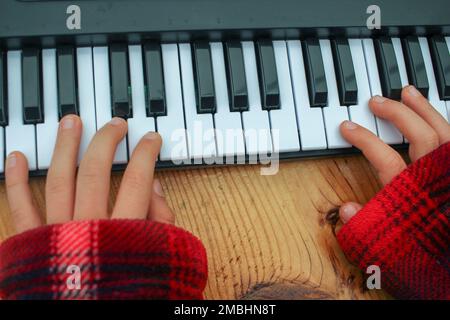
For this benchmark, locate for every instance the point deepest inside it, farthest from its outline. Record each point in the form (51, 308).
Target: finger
(60, 186)
(421, 136)
(384, 159)
(159, 209)
(135, 190)
(413, 99)
(92, 190)
(24, 213)
(348, 210)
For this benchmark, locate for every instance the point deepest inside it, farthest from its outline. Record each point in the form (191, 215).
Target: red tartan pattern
(405, 230)
(118, 259)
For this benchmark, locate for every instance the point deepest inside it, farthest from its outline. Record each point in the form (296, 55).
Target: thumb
(159, 210)
(348, 210)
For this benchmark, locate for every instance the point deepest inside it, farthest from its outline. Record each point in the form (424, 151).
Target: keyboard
(221, 81)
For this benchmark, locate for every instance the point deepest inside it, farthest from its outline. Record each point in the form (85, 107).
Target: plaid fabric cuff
(405, 230)
(103, 259)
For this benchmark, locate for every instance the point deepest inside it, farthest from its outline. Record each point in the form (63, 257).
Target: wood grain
(266, 236)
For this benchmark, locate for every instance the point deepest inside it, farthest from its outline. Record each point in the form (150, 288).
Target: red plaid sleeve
(103, 259)
(405, 230)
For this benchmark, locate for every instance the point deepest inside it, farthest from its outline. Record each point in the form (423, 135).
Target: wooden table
(266, 236)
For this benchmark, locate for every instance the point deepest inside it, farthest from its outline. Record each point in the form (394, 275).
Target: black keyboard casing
(42, 23)
(162, 165)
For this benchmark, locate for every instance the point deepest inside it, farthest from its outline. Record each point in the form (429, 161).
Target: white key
(361, 113)
(447, 39)
(171, 127)
(258, 139)
(46, 132)
(284, 120)
(86, 98)
(398, 50)
(386, 130)
(433, 94)
(139, 124)
(229, 133)
(2, 149)
(19, 136)
(310, 120)
(334, 114)
(199, 127)
(103, 98)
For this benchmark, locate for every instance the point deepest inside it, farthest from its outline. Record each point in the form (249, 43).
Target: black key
(391, 84)
(120, 81)
(415, 65)
(154, 80)
(31, 86)
(441, 63)
(315, 73)
(235, 70)
(3, 92)
(67, 88)
(203, 77)
(345, 72)
(268, 78)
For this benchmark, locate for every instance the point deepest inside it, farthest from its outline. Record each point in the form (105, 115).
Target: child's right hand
(415, 118)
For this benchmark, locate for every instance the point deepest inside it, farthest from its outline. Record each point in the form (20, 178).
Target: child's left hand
(84, 196)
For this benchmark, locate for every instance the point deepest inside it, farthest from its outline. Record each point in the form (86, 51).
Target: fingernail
(68, 123)
(348, 212)
(11, 161)
(378, 99)
(157, 187)
(350, 125)
(151, 136)
(116, 122)
(412, 91)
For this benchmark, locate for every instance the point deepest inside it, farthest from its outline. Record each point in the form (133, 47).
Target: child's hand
(415, 118)
(82, 197)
